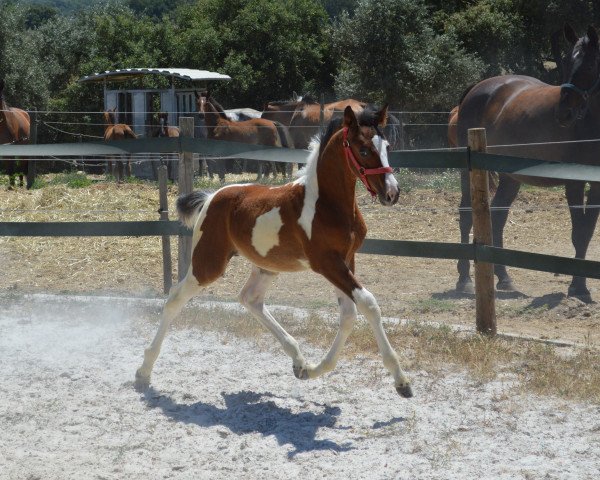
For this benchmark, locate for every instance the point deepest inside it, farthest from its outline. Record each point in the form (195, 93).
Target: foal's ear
(570, 34)
(197, 95)
(382, 116)
(350, 118)
(592, 36)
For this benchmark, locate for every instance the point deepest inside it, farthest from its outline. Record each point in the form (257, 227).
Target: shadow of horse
(457, 295)
(249, 412)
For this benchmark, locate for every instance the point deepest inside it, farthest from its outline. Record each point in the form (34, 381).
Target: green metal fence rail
(403, 248)
(454, 158)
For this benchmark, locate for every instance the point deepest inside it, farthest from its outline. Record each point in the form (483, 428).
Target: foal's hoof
(300, 372)
(405, 391)
(506, 286)
(141, 382)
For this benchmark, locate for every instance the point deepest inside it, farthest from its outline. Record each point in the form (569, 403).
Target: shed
(136, 107)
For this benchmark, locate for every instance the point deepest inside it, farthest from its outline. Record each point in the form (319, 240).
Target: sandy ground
(224, 408)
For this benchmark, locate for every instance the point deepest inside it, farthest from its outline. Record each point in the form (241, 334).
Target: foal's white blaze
(265, 234)
(309, 181)
(391, 185)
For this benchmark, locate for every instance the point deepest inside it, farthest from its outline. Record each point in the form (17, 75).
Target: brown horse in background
(303, 115)
(14, 130)
(117, 131)
(517, 110)
(168, 131)
(256, 131)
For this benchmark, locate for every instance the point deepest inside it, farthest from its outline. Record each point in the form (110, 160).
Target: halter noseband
(361, 171)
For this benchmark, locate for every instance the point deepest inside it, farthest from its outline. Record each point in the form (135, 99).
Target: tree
(390, 53)
(269, 47)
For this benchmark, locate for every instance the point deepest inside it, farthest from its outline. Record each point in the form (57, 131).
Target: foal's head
(581, 77)
(366, 151)
(109, 117)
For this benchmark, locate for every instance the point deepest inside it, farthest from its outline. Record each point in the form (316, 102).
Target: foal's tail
(189, 206)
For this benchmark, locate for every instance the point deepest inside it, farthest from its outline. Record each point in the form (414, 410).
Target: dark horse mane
(367, 118)
(218, 107)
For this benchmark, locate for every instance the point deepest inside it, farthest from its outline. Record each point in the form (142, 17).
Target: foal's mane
(367, 118)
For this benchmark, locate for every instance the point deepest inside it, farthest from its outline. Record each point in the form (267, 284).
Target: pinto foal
(311, 223)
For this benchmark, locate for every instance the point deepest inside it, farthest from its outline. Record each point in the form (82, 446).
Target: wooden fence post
(164, 216)
(33, 134)
(186, 177)
(485, 295)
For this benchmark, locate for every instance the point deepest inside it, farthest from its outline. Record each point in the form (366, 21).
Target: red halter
(362, 172)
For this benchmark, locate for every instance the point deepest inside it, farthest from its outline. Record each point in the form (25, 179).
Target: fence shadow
(250, 412)
(454, 295)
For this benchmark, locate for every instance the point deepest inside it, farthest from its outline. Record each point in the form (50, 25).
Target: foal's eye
(364, 151)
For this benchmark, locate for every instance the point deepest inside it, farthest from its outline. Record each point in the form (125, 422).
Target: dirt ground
(413, 288)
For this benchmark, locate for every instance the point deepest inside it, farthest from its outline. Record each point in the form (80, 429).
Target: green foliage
(72, 180)
(390, 53)
(269, 47)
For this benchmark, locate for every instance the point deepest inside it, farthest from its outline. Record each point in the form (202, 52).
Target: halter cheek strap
(361, 172)
(585, 94)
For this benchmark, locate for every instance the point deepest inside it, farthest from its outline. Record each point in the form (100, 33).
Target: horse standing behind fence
(256, 131)
(516, 109)
(117, 131)
(302, 114)
(165, 130)
(14, 130)
(312, 223)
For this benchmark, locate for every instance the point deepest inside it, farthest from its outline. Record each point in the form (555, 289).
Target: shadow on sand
(250, 412)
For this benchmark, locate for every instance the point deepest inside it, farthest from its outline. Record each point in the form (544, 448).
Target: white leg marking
(252, 297)
(367, 305)
(347, 320)
(265, 234)
(179, 295)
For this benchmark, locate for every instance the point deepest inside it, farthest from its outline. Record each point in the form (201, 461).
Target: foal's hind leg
(252, 297)
(347, 320)
(179, 295)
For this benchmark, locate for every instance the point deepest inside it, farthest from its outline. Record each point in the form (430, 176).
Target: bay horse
(255, 131)
(517, 110)
(165, 130)
(312, 223)
(117, 131)
(14, 130)
(302, 114)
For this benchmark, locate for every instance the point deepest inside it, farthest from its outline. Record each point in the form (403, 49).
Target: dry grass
(537, 368)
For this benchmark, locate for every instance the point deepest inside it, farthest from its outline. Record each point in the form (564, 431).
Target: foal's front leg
(338, 273)
(252, 297)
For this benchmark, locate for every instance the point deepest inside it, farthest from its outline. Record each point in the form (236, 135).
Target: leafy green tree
(269, 47)
(20, 66)
(391, 53)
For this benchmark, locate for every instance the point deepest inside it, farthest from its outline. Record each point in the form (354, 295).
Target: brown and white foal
(311, 223)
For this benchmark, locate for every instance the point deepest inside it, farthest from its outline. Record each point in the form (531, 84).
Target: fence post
(33, 134)
(485, 295)
(164, 216)
(186, 174)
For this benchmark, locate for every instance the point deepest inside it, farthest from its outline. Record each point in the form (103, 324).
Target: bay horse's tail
(189, 206)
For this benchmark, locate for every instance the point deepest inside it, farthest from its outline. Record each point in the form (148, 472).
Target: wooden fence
(475, 158)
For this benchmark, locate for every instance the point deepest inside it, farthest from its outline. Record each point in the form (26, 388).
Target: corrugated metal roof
(129, 73)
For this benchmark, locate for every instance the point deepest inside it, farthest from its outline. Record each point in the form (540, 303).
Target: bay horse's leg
(508, 188)
(179, 295)
(465, 222)
(347, 320)
(338, 273)
(583, 224)
(252, 297)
